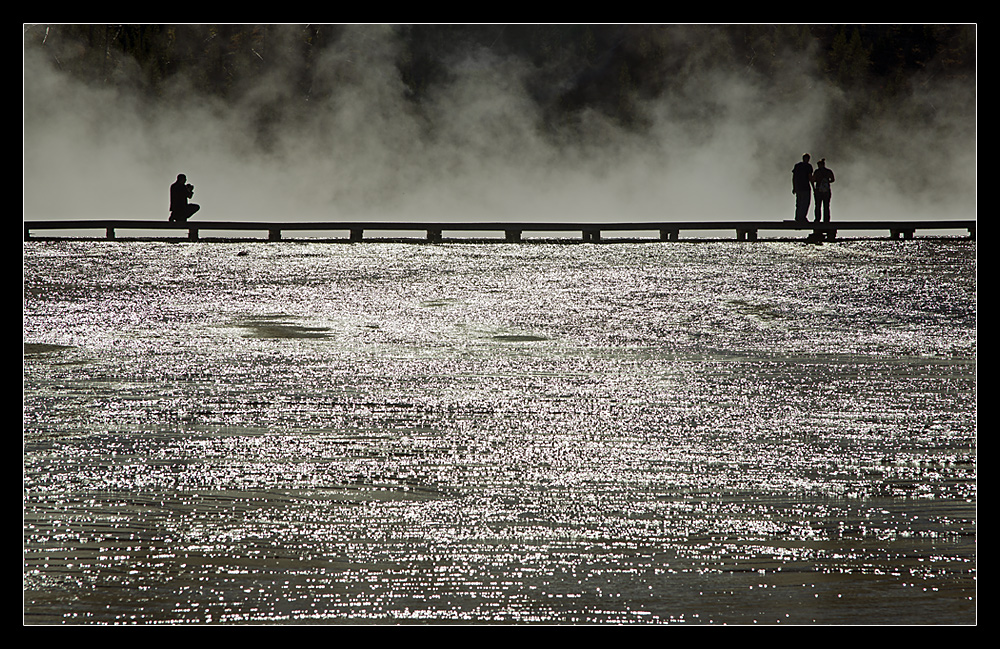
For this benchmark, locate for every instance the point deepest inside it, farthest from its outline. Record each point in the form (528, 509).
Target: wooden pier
(513, 231)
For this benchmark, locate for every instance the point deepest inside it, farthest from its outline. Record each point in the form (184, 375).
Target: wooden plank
(667, 230)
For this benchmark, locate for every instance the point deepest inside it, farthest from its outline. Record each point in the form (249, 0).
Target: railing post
(109, 233)
(274, 234)
(669, 235)
(513, 236)
(192, 234)
(434, 235)
(357, 234)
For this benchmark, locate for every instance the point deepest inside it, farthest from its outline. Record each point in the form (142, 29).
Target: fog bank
(722, 147)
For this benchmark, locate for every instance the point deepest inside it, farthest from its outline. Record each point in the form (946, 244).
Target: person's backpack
(823, 184)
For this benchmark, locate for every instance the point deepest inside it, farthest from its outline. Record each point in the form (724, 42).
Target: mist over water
(719, 145)
(733, 432)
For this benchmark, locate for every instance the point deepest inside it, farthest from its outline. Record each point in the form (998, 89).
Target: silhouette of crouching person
(180, 192)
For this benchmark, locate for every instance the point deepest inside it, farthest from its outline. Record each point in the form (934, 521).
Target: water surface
(302, 432)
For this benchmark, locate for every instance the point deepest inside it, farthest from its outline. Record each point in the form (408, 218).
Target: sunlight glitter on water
(622, 433)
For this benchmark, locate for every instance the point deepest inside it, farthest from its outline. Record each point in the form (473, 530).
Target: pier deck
(513, 231)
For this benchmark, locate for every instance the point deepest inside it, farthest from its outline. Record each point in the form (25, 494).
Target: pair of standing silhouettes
(806, 182)
(180, 192)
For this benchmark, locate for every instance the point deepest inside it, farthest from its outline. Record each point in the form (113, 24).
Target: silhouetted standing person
(802, 187)
(822, 180)
(180, 192)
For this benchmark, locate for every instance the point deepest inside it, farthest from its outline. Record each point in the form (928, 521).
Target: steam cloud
(474, 150)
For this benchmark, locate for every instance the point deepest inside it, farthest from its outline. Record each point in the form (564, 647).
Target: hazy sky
(475, 152)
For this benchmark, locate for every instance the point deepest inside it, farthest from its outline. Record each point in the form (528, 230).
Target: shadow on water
(38, 349)
(280, 326)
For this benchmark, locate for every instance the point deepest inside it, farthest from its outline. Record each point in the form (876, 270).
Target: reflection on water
(635, 433)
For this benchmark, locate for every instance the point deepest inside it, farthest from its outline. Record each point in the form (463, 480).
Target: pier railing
(513, 231)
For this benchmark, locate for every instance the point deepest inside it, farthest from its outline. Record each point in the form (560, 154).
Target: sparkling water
(551, 432)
